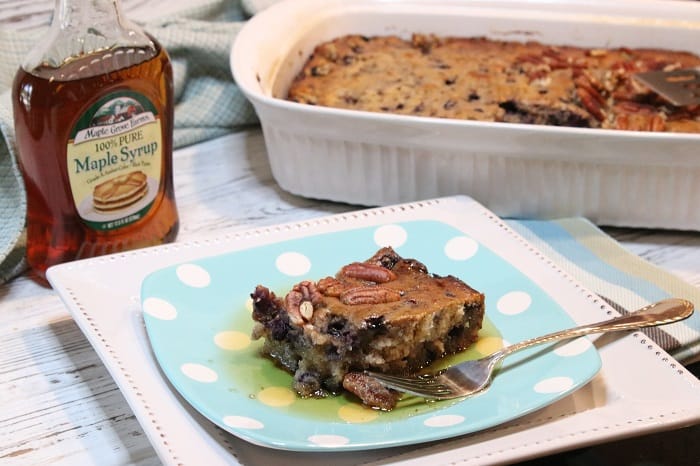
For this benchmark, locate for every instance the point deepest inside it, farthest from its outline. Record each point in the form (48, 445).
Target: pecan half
(590, 85)
(292, 303)
(590, 103)
(638, 117)
(368, 272)
(330, 286)
(369, 295)
(309, 292)
(529, 58)
(370, 391)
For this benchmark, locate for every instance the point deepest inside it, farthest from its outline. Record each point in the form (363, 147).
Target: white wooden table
(59, 405)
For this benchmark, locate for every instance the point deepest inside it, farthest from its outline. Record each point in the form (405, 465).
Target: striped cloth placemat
(621, 278)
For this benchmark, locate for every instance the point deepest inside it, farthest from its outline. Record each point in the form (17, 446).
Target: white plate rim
(110, 318)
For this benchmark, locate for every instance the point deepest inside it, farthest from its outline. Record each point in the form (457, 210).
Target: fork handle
(659, 313)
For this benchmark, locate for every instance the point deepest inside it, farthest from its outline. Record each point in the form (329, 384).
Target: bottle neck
(83, 15)
(83, 27)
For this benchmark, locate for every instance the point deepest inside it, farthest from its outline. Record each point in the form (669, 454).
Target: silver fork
(472, 377)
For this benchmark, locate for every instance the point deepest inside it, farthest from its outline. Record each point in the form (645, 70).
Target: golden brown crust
(412, 294)
(487, 80)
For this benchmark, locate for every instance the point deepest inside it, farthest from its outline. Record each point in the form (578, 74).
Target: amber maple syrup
(94, 141)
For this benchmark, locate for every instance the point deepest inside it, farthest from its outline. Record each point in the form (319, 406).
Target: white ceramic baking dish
(612, 177)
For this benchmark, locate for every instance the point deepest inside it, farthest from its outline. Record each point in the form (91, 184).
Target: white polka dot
(193, 275)
(390, 235)
(514, 302)
(328, 440)
(573, 347)
(553, 385)
(444, 421)
(199, 372)
(293, 264)
(461, 248)
(159, 308)
(242, 422)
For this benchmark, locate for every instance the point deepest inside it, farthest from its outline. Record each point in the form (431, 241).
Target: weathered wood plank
(58, 403)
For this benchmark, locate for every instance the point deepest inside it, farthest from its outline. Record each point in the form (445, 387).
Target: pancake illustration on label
(120, 192)
(115, 161)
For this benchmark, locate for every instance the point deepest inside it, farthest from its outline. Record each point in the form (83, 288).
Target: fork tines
(424, 386)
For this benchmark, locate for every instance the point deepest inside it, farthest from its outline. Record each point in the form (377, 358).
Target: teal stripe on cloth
(621, 278)
(562, 241)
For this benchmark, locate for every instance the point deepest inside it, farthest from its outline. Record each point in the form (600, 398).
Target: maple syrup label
(114, 160)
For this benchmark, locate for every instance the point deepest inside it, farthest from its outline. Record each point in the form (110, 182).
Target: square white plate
(640, 389)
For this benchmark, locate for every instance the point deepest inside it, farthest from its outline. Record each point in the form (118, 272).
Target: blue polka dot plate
(197, 316)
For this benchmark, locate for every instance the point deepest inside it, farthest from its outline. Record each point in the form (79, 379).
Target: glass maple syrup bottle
(93, 113)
